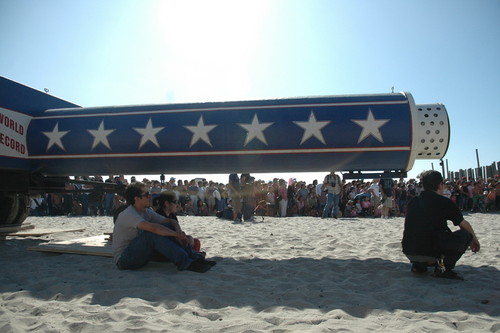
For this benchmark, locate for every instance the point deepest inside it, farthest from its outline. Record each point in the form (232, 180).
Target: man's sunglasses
(144, 195)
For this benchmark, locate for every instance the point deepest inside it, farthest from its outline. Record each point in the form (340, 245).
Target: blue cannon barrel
(355, 133)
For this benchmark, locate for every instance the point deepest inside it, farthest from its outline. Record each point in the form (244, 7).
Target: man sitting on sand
(138, 234)
(426, 233)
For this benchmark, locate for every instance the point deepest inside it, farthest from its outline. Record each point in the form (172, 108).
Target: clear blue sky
(96, 53)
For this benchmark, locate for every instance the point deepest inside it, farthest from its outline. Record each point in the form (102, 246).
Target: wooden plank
(37, 232)
(9, 230)
(92, 246)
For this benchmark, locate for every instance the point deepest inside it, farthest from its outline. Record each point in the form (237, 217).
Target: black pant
(452, 245)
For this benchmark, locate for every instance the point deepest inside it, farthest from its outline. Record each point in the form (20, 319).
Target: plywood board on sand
(37, 232)
(93, 246)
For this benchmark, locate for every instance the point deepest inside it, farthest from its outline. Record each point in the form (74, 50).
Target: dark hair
(134, 190)
(166, 196)
(431, 180)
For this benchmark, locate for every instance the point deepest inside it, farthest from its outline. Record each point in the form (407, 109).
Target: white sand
(283, 275)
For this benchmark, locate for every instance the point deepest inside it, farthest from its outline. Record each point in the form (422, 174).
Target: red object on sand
(197, 245)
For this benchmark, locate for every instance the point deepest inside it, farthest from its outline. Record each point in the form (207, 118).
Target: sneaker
(211, 263)
(199, 266)
(448, 274)
(202, 259)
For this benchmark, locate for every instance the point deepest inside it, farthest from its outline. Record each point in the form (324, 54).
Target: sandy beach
(297, 274)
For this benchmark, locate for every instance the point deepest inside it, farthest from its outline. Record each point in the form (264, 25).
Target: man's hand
(474, 245)
(182, 238)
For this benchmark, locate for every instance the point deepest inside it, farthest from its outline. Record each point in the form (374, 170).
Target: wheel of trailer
(13, 209)
(23, 210)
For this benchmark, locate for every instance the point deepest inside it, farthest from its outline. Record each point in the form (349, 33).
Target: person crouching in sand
(138, 234)
(426, 235)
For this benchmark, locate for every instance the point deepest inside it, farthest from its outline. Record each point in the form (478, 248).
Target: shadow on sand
(357, 287)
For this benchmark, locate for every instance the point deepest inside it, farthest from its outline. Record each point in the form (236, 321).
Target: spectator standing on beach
(247, 196)
(201, 191)
(210, 197)
(292, 205)
(374, 191)
(477, 195)
(464, 195)
(193, 192)
(402, 199)
(333, 186)
(155, 191)
(320, 192)
(351, 193)
(282, 198)
(108, 198)
(386, 187)
(271, 201)
(319, 189)
(301, 197)
(82, 197)
(234, 188)
(183, 194)
(455, 193)
(218, 203)
(312, 202)
(222, 203)
(490, 199)
(447, 190)
(412, 189)
(470, 195)
(138, 233)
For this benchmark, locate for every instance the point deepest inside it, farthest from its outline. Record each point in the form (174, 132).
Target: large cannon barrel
(44, 139)
(346, 133)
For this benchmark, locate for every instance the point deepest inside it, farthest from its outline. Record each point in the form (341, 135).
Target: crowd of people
(243, 197)
(141, 234)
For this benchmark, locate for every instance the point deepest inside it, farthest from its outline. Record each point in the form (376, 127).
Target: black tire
(13, 209)
(23, 210)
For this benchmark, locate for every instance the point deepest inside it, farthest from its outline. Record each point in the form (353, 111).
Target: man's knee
(465, 236)
(456, 242)
(158, 238)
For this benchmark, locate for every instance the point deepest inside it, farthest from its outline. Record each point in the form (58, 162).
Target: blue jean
(220, 205)
(143, 247)
(108, 203)
(331, 199)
